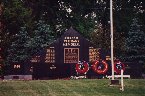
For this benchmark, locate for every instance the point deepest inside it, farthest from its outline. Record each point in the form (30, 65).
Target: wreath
(100, 67)
(82, 67)
(118, 66)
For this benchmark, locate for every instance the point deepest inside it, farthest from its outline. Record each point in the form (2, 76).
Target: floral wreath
(82, 67)
(100, 67)
(118, 66)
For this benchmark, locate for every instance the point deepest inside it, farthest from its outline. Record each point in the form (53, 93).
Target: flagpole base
(114, 82)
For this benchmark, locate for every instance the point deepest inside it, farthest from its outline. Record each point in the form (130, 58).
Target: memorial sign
(59, 59)
(71, 55)
(63, 54)
(50, 55)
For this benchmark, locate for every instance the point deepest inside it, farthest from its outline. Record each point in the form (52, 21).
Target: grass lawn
(82, 87)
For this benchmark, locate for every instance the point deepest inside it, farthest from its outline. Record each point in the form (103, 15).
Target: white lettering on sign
(17, 66)
(71, 41)
(50, 55)
(35, 59)
(93, 54)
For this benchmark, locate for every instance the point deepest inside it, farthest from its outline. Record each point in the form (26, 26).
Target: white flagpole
(111, 29)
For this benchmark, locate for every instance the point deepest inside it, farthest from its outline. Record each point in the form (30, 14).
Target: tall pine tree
(135, 42)
(18, 51)
(15, 14)
(41, 38)
(25, 46)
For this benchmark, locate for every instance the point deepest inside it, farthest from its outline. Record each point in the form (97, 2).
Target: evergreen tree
(18, 50)
(135, 42)
(15, 14)
(42, 37)
(25, 46)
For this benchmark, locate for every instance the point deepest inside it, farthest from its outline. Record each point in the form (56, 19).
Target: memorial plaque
(50, 55)
(71, 55)
(93, 54)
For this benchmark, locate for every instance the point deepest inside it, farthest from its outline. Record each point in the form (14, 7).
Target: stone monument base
(18, 77)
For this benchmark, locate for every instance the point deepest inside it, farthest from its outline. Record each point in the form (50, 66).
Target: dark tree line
(89, 17)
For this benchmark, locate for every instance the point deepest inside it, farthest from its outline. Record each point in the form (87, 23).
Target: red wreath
(82, 70)
(98, 68)
(118, 64)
